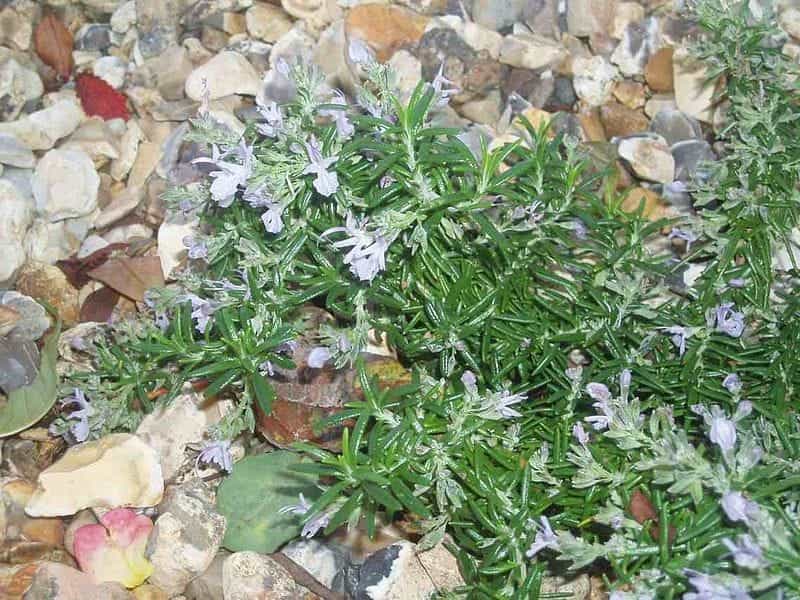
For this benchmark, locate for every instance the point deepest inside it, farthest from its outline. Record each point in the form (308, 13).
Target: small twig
(304, 578)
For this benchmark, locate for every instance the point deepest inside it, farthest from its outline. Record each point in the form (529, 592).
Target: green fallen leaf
(26, 405)
(251, 499)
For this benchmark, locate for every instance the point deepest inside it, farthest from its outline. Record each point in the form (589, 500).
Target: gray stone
(14, 153)
(185, 538)
(267, 22)
(65, 185)
(33, 317)
(208, 585)
(497, 15)
(50, 242)
(111, 69)
(690, 157)
(638, 43)
(587, 17)
(19, 364)
(93, 37)
(248, 575)
(54, 581)
(593, 79)
(40, 130)
(18, 86)
(16, 216)
(674, 126)
(531, 51)
(157, 23)
(649, 158)
(225, 74)
(124, 17)
(325, 562)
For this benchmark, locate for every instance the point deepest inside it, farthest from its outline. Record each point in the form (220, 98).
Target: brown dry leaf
(642, 510)
(99, 305)
(76, 269)
(54, 45)
(130, 276)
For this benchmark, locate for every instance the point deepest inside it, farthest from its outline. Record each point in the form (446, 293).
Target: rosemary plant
(563, 366)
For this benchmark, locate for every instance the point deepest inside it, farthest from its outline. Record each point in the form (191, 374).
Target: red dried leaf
(642, 510)
(76, 269)
(99, 305)
(131, 276)
(54, 45)
(100, 99)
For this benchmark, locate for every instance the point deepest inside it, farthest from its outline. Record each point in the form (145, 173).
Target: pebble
(248, 575)
(625, 13)
(325, 562)
(690, 156)
(384, 28)
(97, 138)
(495, 15)
(93, 37)
(593, 79)
(186, 536)
(530, 51)
(116, 470)
(65, 185)
(585, 17)
(694, 94)
(658, 102)
(630, 93)
(329, 54)
(317, 14)
(16, 26)
(33, 320)
(40, 130)
(638, 42)
(227, 73)
(408, 72)
(171, 250)
(398, 572)
(54, 581)
(174, 426)
(128, 150)
(50, 242)
(658, 70)
(481, 38)
(674, 126)
(18, 86)
(789, 20)
(620, 121)
(14, 153)
(208, 585)
(111, 69)
(157, 25)
(15, 524)
(649, 157)
(16, 216)
(267, 22)
(47, 282)
(124, 17)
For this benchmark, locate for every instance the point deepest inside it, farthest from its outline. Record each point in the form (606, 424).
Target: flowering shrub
(577, 400)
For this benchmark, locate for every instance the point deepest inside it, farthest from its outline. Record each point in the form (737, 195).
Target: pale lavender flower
(318, 357)
(313, 525)
(161, 321)
(197, 247)
(273, 218)
(729, 321)
(386, 181)
(301, 508)
(722, 429)
(217, 453)
(624, 383)
(580, 230)
(267, 369)
(499, 406)
(545, 538)
(283, 67)
(230, 175)
(469, 380)
(202, 310)
(737, 282)
(746, 552)
(440, 92)
(679, 336)
(738, 508)
(344, 128)
(80, 429)
(367, 254)
(273, 117)
(685, 235)
(710, 588)
(325, 182)
(360, 53)
(580, 434)
(598, 391)
(732, 383)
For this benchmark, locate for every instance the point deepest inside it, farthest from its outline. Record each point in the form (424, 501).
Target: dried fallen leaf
(99, 305)
(100, 99)
(76, 269)
(54, 45)
(131, 276)
(642, 510)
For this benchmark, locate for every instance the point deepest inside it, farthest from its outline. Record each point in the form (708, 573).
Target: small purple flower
(312, 526)
(729, 321)
(217, 453)
(201, 311)
(709, 588)
(386, 181)
(580, 230)
(230, 175)
(318, 357)
(545, 538)
(80, 429)
(746, 552)
(283, 67)
(737, 282)
(267, 369)
(598, 391)
(325, 182)
(732, 383)
(301, 508)
(273, 218)
(360, 53)
(440, 92)
(722, 429)
(469, 380)
(273, 117)
(685, 235)
(367, 254)
(679, 337)
(738, 508)
(344, 128)
(198, 250)
(502, 404)
(624, 383)
(580, 434)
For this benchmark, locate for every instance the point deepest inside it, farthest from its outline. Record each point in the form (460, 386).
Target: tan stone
(658, 72)
(694, 94)
(630, 93)
(150, 592)
(655, 207)
(649, 158)
(117, 470)
(267, 22)
(46, 282)
(15, 524)
(619, 120)
(593, 130)
(384, 28)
